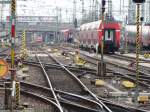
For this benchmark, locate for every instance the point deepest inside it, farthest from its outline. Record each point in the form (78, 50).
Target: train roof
(92, 25)
(97, 24)
(66, 30)
(132, 28)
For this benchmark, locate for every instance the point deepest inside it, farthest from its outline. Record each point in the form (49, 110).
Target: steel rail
(131, 60)
(43, 88)
(113, 64)
(61, 101)
(49, 84)
(128, 58)
(131, 109)
(40, 97)
(59, 66)
(33, 63)
(59, 91)
(66, 93)
(110, 63)
(4, 50)
(101, 104)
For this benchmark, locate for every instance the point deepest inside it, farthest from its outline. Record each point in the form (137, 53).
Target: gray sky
(47, 7)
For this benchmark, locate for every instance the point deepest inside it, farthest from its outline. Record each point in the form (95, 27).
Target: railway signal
(103, 6)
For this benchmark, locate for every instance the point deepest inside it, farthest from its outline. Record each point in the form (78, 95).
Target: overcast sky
(47, 7)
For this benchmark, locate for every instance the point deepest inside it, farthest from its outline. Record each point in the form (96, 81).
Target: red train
(67, 35)
(90, 35)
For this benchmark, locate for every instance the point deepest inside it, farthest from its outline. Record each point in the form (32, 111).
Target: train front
(111, 36)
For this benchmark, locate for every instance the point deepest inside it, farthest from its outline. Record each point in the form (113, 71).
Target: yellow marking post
(128, 84)
(13, 56)
(99, 82)
(147, 55)
(143, 99)
(78, 60)
(17, 93)
(55, 50)
(13, 6)
(23, 50)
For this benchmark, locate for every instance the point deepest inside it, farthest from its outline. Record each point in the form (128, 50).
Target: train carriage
(90, 35)
(144, 36)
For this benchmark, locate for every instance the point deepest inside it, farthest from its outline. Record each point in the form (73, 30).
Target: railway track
(120, 69)
(59, 83)
(66, 99)
(130, 76)
(3, 54)
(49, 81)
(79, 100)
(132, 61)
(120, 56)
(139, 110)
(47, 96)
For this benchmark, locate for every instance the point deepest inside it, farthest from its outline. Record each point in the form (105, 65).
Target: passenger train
(90, 35)
(144, 36)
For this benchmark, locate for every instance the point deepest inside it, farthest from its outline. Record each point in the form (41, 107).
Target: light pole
(102, 41)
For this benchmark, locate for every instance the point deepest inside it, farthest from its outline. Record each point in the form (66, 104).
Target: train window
(109, 34)
(92, 35)
(106, 35)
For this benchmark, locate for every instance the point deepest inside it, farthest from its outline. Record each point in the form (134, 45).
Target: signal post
(13, 71)
(102, 41)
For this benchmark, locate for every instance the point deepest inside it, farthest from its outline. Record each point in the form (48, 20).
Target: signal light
(142, 18)
(103, 3)
(138, 1)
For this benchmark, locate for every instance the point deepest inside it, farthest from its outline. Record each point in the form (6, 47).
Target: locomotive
(91, 34)
(144, 36)
(67, 35)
